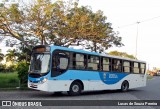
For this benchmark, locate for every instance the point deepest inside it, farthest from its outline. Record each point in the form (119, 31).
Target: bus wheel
(75, 89)
(124, 86)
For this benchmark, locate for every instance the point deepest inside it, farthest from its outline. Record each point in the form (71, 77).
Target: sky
(124, 15)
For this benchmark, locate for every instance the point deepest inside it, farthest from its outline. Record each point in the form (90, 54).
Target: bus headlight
(44, 80)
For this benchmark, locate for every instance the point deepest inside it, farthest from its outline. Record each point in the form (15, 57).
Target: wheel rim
(75, 88)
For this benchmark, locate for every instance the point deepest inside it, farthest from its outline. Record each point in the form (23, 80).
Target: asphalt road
(150, 92)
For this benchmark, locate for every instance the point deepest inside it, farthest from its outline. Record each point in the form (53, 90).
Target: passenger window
(79, 61)
(142, 66)
(126, 66)
(136, 67)
(93, 62)
(105, 64)
(116, 65)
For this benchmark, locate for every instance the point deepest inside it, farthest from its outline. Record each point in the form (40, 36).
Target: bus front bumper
(38, 86)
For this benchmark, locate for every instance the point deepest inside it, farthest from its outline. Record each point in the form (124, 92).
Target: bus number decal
(113, 76)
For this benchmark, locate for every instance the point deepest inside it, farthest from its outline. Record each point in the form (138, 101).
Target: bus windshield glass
(40, 63)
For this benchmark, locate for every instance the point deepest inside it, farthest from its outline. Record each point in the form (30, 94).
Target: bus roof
(93, 53)
(123, 58)
(75, 50)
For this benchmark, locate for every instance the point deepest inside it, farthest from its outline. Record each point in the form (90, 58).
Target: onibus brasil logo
(21, 103)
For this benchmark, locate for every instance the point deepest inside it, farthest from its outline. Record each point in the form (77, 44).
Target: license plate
(32, 84)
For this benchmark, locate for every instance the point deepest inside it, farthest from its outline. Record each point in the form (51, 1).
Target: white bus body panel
(135, 81)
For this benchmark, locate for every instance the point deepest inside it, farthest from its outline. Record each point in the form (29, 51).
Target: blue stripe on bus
(78, 74)
(105, 77)
(110, 78)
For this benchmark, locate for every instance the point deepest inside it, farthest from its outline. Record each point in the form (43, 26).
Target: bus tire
(75, 89)
(125, 86)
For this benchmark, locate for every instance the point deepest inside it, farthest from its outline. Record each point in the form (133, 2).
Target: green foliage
(82, 24)
(11, 55)
(24, 53)
(2, 67)
(122, 54)
(1, 5)
(12, 80)
(15, 14)
(59, 23)
(9, 80)
(10, 68)
(22, 69)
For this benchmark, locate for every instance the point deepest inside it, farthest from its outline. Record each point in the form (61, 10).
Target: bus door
(60, 63)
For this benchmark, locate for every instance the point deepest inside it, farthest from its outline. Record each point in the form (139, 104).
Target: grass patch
(9, 80)
(149, 77)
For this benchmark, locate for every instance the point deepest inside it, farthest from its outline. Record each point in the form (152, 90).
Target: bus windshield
(40, 63)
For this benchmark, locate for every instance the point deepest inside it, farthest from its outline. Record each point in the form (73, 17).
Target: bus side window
(106, 64)
(126, 66)
(116, 65)
(136, 67)
(142, 68)
(93, 63)
(79, 61)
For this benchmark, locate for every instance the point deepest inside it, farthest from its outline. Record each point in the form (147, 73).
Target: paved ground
(151, 92)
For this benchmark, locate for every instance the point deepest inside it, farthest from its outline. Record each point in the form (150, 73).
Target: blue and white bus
(56, 69)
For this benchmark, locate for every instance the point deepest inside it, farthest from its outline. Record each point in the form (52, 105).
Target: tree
(1, 5)
(22, 69)
(1, 56)
(11, 55)
(24, 53)
(81, 24)
(59, 23)
(25, 24)
(122, 54)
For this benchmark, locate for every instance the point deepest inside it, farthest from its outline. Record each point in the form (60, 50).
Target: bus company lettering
(34, 104)
(17, 103)
(113, 76)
